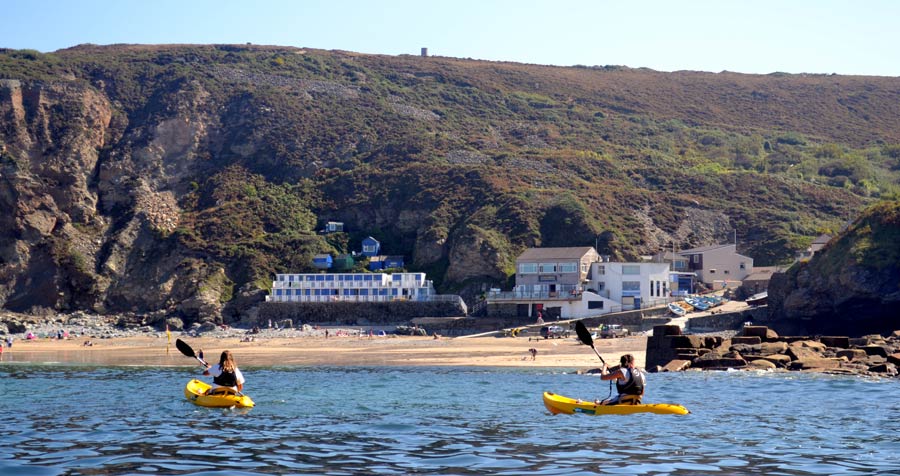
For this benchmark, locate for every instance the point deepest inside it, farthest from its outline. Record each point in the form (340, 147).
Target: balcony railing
(572, 295)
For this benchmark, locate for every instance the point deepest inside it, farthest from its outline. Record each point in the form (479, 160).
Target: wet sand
(334, 351)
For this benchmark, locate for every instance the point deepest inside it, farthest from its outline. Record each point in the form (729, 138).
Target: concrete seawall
(354, 314)
(726, 321)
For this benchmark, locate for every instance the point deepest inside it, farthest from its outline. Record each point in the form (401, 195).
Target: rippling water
(57, 419)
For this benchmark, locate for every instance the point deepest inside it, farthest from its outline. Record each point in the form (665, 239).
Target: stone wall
(353, 313)
(726, 321)
(635, 321)
(638, 320)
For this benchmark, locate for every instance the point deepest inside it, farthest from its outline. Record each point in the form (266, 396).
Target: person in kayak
(629, 379)
(226, 372)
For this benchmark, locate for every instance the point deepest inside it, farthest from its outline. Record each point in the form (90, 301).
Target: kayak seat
(221, 391)
(630, 399)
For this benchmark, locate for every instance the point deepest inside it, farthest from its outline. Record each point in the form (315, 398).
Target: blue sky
(762, 36)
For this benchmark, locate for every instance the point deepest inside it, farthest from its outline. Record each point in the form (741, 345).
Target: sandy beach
(335, 351)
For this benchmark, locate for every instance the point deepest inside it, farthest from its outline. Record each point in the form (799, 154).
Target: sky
(858, 37)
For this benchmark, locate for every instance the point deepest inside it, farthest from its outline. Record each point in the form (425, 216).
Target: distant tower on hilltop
(424, 52)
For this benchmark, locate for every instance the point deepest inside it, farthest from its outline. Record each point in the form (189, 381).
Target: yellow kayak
(198, 392)
(559, 404)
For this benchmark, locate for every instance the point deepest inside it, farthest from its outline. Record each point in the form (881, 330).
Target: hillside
(175, 180)
(850, 287)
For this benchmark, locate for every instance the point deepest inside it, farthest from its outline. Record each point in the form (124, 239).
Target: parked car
(554, 332)
(611, 331)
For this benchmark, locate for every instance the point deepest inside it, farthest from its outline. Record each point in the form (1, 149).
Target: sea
(58, 419)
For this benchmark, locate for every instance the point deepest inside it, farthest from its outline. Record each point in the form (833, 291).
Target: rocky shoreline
(667, 349)
(761, 348)
(94, 326)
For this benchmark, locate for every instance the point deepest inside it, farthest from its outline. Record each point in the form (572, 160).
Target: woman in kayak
(226, 372)
(629, 382)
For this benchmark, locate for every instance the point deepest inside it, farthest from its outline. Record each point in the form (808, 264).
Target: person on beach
(200, 354)
(226, 372)
(630, 382)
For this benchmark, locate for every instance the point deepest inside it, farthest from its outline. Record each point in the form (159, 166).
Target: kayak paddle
(584, 335)
(185, 349)
(189, 351)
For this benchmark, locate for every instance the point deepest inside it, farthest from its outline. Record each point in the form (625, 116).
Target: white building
(575, 283)
(353, 287)
(632, 285)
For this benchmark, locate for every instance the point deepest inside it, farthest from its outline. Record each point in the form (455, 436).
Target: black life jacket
(634, 386)
(226, 379)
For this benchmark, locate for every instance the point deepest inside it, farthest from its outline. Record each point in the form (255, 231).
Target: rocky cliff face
(851, 287)
(162, 181)
(88, 206)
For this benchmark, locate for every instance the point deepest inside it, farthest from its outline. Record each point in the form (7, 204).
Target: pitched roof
(762, 273)
(704, 249)
(822, 239)
(554, 253)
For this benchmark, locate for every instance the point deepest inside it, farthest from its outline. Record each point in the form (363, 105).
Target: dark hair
(626, 359)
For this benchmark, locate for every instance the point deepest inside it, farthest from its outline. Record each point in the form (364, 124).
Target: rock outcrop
(760, 348)
(850, 287)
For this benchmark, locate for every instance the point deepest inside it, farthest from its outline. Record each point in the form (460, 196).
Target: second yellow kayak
(198, 392)
(559, 404)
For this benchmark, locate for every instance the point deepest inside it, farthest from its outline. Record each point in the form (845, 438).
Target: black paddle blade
(584, 335)
(184, 348)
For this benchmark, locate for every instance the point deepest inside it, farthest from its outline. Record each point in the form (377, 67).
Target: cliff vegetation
(176, 180)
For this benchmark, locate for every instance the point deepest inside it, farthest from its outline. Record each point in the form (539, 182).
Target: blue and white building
(370, 247)
(352, 287)
(323, 261)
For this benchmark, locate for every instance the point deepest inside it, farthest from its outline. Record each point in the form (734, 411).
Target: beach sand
(334, 351)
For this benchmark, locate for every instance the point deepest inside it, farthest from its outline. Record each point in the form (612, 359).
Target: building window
(528, 268)
(631, 269)
(742, 265)
(584, 267)
(695, 258)
(631, 286)
(726, 271)
(568, 267)
(595, 304)
(712, 271)
(369, 248)
(547, 268)
(601, 286)
(601, 269)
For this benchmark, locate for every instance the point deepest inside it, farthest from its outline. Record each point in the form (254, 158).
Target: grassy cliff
(456, 164)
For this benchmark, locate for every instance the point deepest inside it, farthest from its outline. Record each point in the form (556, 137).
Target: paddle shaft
(187, 350)
(598, 355)
(585, 337)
